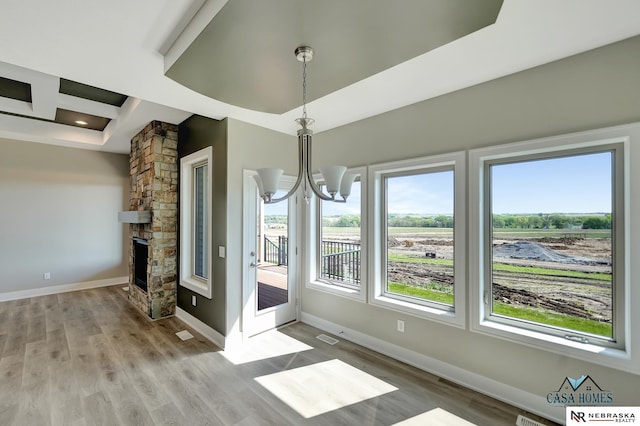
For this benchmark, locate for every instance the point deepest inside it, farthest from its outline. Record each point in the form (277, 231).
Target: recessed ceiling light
(80, 122)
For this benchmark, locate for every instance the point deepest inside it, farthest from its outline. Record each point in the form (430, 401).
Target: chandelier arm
(301, 173)
(306, 137)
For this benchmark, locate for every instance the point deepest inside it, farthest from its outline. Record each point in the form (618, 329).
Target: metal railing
(341, 261)
(276, 253)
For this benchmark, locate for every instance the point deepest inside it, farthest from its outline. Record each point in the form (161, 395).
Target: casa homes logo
(581, 391)
(606, 415)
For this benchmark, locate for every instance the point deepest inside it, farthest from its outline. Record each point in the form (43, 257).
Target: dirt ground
(581, 297)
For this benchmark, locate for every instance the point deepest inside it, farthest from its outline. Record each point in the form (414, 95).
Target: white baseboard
(517, 397)
(202, 328)
(64, 288)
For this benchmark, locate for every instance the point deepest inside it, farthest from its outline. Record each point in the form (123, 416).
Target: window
(200, 247)
(419, 226)
(338, 263)
(195, 221)
(550, 238)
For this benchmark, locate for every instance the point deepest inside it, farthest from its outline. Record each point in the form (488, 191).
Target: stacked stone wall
(154, 187)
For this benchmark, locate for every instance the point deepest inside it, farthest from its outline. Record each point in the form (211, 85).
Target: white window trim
(313, 228)
(625, 358)
(377, 236)
(188, 279)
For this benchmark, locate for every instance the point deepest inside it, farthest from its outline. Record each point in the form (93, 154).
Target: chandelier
(335, 179)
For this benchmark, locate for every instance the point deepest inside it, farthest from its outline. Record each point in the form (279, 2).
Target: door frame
(254, 322)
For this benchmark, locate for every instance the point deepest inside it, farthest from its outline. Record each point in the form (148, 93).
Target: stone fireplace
(153, 167)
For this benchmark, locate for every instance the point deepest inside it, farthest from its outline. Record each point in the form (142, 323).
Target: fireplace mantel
(138, 216)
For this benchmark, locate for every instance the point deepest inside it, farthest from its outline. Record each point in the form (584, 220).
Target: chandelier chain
(304, 88)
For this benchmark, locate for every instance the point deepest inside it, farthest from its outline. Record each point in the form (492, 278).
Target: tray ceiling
(244, 56)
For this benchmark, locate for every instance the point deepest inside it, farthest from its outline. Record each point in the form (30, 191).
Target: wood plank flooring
(89, 358)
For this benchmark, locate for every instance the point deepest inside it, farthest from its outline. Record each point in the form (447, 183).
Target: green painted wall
(194, 134)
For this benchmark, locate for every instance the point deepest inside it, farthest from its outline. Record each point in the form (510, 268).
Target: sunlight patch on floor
(264, 346)
(435, 417)
(323, 387)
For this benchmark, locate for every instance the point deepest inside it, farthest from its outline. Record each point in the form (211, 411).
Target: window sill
(609, 357)
(337, 290)
(201, 287)
(420, 311)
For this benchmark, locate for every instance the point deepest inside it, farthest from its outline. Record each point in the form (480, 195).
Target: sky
(576, 184)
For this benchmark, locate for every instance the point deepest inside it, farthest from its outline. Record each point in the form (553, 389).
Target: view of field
(559, 277)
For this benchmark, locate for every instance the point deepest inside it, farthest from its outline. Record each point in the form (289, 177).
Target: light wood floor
(89, 358)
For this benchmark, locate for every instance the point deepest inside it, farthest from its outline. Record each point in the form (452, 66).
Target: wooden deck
(272, 286)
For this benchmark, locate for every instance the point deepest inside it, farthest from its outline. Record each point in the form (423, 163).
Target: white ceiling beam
(26, 129)
(15, 106)
(87, 106)
(44, 89)
(44, 96)
(135, 114)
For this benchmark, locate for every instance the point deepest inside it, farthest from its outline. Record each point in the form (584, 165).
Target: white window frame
(378, 296)
(188, 278)
(313, 261)
(603, 139)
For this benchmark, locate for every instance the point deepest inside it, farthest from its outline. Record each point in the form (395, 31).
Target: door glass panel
(272, 274)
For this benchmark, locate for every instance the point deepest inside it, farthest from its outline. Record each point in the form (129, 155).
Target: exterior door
(269, 245)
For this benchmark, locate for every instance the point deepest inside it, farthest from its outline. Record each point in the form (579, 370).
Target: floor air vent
(327, 339)
(525, 421)
(184, 335)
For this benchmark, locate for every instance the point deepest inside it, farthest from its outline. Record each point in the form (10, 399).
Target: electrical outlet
(401, 326)
(193, 300)
(47, 276)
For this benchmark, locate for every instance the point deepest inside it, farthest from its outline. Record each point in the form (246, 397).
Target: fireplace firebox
(140, 257)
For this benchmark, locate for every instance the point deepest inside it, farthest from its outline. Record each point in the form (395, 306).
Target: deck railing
(276, 253)
(340, 260)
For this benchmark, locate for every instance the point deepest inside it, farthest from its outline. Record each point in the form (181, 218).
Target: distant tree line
(440, 221)
(395, 221)
(276, 219)
(508, 221)
(551, 221)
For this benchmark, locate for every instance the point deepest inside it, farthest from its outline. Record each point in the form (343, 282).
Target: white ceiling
(120, 45)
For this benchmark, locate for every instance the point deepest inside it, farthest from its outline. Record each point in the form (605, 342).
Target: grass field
(551, 272)
(422, 293)
(542, 316)
(533, 298)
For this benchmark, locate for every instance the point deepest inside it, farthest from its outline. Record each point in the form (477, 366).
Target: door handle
(252, 265)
